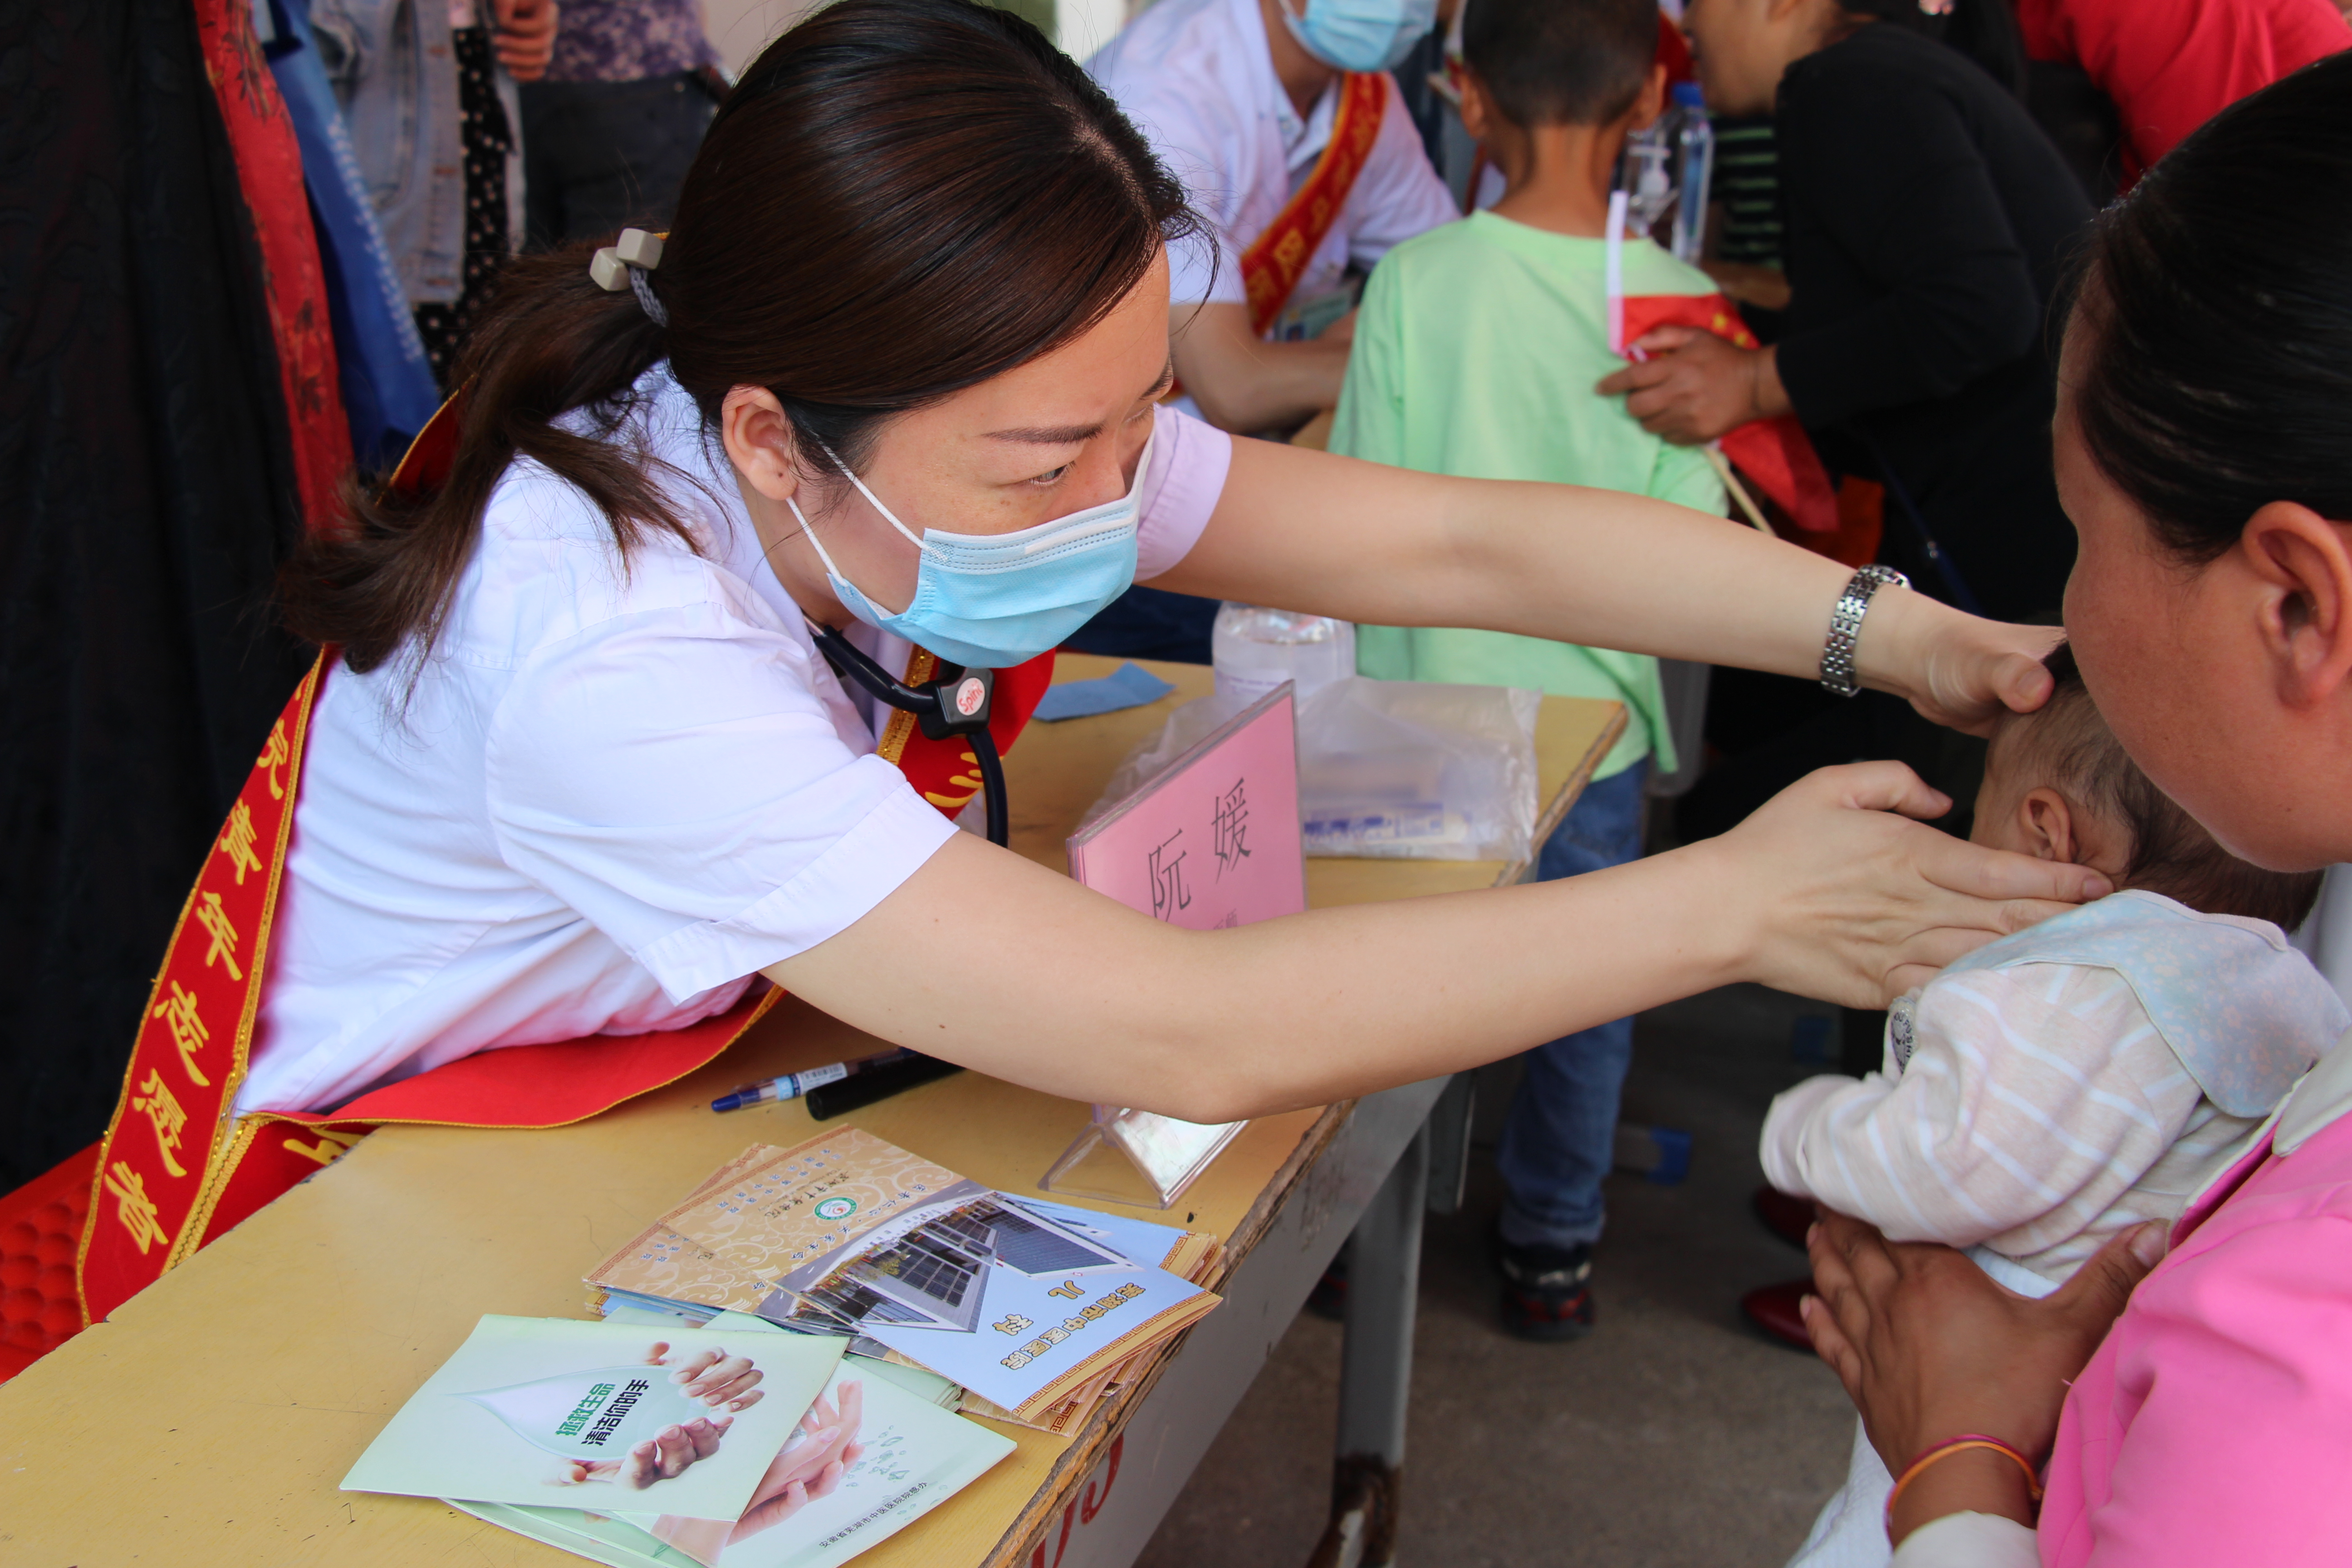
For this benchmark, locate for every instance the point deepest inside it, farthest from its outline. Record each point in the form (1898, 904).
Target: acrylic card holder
(1168, 1154)
(1211, 841)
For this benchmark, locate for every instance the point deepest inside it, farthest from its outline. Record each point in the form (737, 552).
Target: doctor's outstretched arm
(1826, 891)
(1336, 536)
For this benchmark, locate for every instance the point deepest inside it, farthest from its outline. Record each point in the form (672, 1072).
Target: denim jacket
(395, 75)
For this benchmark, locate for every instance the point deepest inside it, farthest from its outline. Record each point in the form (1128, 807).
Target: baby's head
(2057, 784)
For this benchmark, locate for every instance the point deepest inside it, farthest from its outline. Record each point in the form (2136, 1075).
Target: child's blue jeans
(1560, 1137)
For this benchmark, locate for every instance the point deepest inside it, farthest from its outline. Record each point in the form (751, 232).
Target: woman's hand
(1849, 902)
(1958, 669)
(1691, 386)
(525, 40)
(1929, 1348)
(716, 1378)
(811, 1466)
(664, 1457)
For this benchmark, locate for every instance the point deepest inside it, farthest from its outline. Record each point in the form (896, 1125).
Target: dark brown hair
(2169, 853)
(2213, 374)
(1561, 62)
(900, 199)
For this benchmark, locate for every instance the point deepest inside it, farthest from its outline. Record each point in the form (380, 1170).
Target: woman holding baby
(2191, 1386)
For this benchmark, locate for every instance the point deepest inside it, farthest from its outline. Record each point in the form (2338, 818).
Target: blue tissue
(1128, 685)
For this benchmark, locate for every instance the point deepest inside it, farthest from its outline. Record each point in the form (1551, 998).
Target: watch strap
(1845, 625)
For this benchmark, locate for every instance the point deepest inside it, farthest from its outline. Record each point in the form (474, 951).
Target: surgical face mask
(997, 600)
(1360, 34)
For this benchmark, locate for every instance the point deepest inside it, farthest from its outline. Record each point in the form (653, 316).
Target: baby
(2068, 1082)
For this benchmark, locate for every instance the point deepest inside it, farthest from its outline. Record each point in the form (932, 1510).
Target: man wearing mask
(1293, 142)
(1297, 149)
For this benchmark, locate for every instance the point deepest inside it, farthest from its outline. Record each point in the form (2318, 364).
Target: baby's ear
(2049, 824)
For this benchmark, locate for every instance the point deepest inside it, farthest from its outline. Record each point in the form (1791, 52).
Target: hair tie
(623, 264)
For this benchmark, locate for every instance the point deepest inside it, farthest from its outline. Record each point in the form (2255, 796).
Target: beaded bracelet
(1961, 1444)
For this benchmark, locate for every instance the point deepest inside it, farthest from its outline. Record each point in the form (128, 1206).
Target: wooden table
(210, 1419)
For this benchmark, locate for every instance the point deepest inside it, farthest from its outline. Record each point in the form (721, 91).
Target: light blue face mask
(1360, 34)
(995, 600)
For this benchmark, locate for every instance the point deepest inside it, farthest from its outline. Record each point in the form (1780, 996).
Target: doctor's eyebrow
(1072, 435)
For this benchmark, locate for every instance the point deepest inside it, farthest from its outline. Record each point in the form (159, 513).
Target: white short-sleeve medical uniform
(612, 795)
(1197, 79)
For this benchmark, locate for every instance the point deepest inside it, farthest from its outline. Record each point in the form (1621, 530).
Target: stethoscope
(956, 703)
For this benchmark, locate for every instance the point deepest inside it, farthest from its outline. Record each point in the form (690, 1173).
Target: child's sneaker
(1546, 1293)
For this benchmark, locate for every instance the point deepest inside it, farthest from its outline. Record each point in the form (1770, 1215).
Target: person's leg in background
(602, 155)
(1559, 1137)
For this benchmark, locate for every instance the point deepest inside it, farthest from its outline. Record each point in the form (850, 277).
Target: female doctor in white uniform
(583, 771)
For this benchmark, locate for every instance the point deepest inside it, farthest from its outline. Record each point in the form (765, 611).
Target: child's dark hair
(2170, 854)
(2213, 364)
(1561, 62)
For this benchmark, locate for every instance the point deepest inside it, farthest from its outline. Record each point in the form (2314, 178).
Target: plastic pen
(830, 1099)
(792, 1085)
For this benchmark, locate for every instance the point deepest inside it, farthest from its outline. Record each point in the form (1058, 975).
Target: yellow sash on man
(179, 1167)
(1278, 257)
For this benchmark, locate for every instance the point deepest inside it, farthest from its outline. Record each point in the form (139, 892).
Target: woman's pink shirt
(2214, 1424)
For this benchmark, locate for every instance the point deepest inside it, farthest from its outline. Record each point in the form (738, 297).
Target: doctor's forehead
(1086, 383)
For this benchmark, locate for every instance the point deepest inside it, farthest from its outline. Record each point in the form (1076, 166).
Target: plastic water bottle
(1256, 650)
(1694, 148)
(1643, 175)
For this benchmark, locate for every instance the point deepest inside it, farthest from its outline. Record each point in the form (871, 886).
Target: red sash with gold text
(1277, 258)
(179, 1167)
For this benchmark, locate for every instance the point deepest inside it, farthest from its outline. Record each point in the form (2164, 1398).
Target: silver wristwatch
(1845, 625)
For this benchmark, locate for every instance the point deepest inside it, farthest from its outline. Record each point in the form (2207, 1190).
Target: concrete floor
(1673, 1434)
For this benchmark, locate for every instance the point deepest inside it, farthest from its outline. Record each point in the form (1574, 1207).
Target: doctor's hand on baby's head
(2058, 786)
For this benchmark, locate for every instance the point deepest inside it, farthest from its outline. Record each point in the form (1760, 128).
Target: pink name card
(1213, 841)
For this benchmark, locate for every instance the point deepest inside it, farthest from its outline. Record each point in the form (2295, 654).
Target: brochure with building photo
(1021, 1301)
(998, 1294)
(868, 1459)
(541, 1410)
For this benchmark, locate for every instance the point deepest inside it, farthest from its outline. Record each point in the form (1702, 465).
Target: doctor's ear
(759, 441)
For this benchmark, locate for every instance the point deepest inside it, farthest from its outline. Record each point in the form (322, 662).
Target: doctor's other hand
(1847, 901)
(1691, 386)
(525, 39)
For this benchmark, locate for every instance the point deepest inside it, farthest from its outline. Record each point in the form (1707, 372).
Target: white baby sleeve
(1970, 1541)
(2031, 1100)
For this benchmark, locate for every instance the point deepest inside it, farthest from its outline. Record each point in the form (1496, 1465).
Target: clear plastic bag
(1414, 770)
(1387, 769)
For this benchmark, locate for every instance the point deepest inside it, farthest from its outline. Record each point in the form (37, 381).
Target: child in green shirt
(1477, 348)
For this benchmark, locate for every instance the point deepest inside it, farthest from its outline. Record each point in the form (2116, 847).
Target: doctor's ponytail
(900, 199)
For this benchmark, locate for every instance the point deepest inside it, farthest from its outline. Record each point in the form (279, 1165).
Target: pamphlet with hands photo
(867, 1459)
(539, 1411)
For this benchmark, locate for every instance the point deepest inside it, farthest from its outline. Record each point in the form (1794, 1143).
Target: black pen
(878, 1083)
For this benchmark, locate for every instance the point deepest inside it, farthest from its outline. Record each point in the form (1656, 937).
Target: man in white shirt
(1243, 111)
